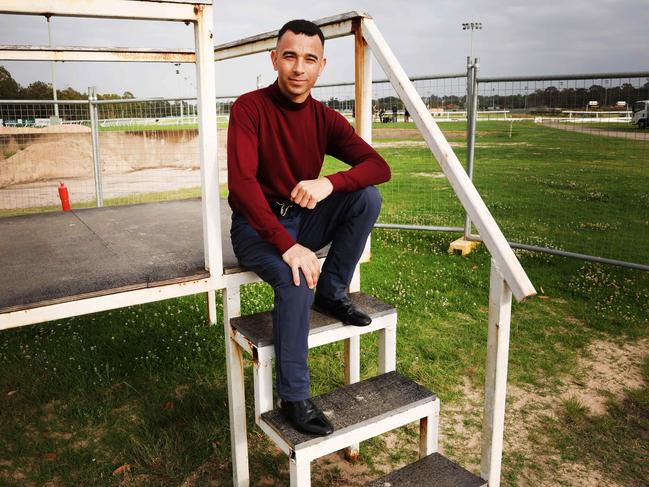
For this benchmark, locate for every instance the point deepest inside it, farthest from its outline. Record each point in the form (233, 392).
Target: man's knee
(286, 289)
(372, 198)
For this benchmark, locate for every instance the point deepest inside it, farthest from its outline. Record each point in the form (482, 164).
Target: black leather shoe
(307, 417)
(343, 310)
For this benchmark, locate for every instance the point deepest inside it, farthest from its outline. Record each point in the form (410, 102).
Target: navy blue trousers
(342, 219)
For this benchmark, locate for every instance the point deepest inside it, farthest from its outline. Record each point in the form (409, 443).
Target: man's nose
(298, 67)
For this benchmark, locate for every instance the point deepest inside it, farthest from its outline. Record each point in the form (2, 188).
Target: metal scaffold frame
(199, 14)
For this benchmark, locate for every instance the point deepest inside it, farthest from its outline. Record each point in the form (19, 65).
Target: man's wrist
(335, 180)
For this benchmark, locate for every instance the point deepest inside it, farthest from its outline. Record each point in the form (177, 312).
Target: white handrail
(493, 238)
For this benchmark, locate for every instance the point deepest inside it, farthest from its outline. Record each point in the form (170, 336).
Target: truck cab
(640, 115)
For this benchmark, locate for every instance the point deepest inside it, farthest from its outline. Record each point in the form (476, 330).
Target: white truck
(640, 115)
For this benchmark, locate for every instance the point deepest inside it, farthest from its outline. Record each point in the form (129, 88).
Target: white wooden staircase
(358, 411)
(363, 409)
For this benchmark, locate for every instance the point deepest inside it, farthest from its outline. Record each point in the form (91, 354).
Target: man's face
(298, 60)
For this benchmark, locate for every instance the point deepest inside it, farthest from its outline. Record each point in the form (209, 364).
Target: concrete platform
(57, 257)
(433, 470)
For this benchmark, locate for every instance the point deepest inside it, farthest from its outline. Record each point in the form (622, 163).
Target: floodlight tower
(177, 66)
(471, 111)
(471, 26)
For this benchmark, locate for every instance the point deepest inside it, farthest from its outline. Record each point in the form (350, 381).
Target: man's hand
(311, 191)
(299, 257)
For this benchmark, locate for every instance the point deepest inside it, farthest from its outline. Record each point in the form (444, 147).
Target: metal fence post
(472, 115)
(94, 127)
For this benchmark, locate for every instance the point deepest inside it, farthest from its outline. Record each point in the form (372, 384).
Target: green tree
(9, 87)
(37, 91)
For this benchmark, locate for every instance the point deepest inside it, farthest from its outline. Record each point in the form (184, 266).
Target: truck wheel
(642, 124)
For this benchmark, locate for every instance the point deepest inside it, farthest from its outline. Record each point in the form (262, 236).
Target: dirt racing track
(619, 134)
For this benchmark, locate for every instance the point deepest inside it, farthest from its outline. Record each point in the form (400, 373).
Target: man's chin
(294, 92)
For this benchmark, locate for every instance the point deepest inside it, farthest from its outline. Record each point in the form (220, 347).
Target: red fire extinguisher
(65, 198)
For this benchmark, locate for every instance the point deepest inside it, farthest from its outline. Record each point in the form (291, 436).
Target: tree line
(10, 89)
(520, 98)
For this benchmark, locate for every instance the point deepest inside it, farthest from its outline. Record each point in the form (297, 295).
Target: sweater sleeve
(368, 167)
(245, 194)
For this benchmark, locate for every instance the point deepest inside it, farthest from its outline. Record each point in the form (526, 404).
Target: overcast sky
(519, 37)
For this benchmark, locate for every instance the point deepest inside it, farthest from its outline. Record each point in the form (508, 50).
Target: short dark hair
(301, 26)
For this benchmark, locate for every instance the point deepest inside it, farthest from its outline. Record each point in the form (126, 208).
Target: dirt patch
(412, 134)
(460, 427)
(335, 470)
(434, 175)
(605, 370)
(399, 143)
(48, 157)
(391, 133)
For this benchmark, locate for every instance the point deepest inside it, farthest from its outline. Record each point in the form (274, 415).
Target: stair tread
(433, 470)
(354, 404)
(258, 327)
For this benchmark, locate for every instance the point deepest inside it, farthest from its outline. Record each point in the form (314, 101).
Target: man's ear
(273, 58)
(322, 66)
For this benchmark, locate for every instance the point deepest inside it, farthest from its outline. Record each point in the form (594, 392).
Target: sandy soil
(45, 193)
(31, 166)
(606, 369)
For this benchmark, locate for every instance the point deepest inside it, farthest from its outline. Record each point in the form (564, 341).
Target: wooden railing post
(493, 423)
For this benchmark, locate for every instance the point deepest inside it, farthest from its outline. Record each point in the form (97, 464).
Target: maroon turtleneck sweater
(274, 143)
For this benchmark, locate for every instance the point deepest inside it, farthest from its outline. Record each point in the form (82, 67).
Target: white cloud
(519, 37)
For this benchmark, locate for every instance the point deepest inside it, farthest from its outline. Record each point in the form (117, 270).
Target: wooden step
(254, 332)
(357, 411)
(432, 471)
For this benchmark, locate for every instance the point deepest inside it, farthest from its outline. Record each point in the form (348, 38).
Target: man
(283, 211)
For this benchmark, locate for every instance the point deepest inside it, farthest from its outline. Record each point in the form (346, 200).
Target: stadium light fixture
(471, 26)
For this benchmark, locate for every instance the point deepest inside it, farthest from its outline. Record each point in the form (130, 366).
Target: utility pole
(56, 105)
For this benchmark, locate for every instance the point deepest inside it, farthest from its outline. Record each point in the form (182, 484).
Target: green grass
(568, 190)
(145, 386)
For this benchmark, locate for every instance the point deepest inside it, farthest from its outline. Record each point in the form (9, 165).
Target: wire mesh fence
(35, 155)
(556, 158)
(568, 171)
(147, 151)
